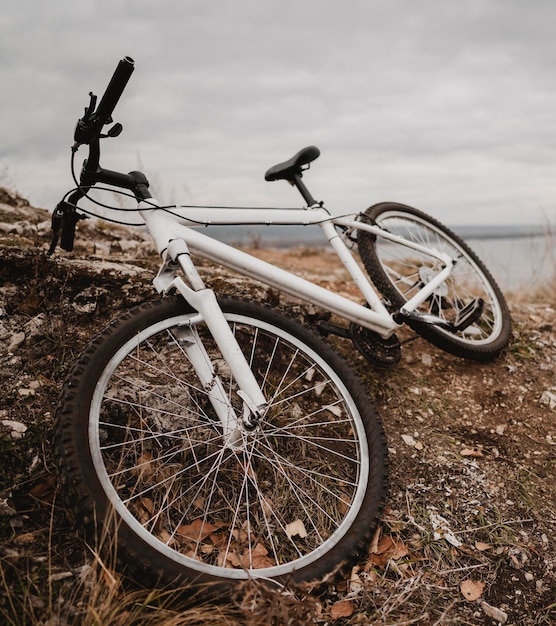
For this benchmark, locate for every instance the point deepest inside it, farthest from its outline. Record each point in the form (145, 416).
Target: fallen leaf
(374, 543)
(229, 559)
(387, 549)
(258, 559)
(355, 582)
(481, 547)
(259, 550)
(147, 504)
(165, 537)
(471, 589)
(372, 576)
(378, 560)
(343, 608)
(296, 528)
(145, 465)
(24, 539)
(472, 452)
(199, 503)
(399, 550)
(197, 530)
(259, 562)
(267, 506)
(44, 491)
(515, 561)
(384, 545)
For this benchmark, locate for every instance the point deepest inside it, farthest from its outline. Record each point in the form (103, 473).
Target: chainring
(376, 349)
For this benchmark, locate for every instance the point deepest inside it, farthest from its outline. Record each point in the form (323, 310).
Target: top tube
(221, 216)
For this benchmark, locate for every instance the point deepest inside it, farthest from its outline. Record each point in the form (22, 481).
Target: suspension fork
(203, 300)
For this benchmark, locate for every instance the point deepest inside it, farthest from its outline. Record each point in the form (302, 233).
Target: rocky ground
(468, 536)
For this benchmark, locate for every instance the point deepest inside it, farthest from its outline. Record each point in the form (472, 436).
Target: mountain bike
(220, 440)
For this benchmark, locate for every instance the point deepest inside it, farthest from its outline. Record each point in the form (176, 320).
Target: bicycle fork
(203, 300)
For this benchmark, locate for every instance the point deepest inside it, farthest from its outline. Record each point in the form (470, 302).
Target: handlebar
(115, 89)
(90, 125)
(89, 131)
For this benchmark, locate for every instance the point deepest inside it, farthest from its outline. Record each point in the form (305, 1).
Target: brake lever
(91, 108)
(113, 132)
(88, 125)
(64, 219)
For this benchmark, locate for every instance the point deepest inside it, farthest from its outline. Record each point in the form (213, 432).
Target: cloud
(447, 106)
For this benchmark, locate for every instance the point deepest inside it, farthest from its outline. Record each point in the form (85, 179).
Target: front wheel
(142, 450)
(399, 272)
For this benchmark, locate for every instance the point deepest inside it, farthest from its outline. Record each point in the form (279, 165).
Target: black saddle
(292, 167)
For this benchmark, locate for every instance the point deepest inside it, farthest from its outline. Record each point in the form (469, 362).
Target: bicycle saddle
(288, 169)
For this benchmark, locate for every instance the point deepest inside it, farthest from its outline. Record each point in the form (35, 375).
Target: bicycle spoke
(265, 501)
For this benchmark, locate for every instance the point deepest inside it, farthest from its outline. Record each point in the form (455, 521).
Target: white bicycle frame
(175, 237)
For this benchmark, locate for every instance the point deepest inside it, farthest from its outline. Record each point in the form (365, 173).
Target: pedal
(403, 317)
(469, 314)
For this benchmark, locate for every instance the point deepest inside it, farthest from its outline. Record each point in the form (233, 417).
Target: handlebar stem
(92, 173)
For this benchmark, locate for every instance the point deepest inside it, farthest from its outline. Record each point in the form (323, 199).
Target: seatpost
(297, 182)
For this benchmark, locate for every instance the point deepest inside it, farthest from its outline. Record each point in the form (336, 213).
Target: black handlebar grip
(115, 89)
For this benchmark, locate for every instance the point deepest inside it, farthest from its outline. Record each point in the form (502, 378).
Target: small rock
(33, 326)
(442, 530)
(6, 509)
(36, 602)
(85, 309)
(549, 397)
(25, 392)
(16, 341)
(59, 576)
(17, 428)
(497, 614)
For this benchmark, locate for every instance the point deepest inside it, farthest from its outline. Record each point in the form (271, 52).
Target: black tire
(398, 272)
(141, 450)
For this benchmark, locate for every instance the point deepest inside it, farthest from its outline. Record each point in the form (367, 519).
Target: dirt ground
(468, 535)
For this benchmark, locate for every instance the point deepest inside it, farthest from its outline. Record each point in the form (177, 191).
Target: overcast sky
(446, 105)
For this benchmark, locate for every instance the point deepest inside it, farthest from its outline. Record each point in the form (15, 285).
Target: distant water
(518, 264)
(519, 257)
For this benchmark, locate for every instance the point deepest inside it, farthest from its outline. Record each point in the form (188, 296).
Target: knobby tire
(142, 454)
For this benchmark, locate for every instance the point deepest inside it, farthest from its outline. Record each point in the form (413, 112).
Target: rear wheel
(399, 272)
(140, 446)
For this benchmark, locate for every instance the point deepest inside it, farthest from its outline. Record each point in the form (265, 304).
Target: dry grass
(472, 506)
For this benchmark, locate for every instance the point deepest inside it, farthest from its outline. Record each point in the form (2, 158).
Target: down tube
(248, 265)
